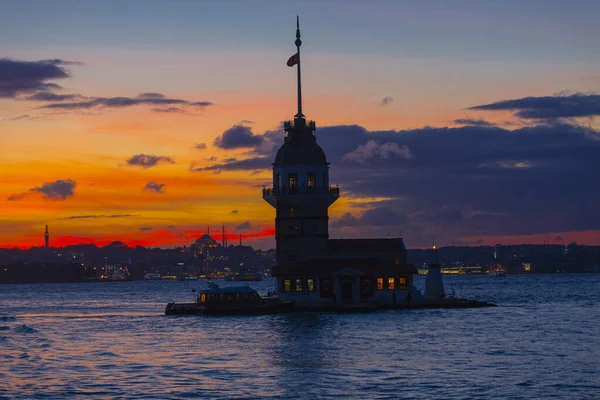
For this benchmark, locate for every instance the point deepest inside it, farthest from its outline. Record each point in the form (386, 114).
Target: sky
(149, 121)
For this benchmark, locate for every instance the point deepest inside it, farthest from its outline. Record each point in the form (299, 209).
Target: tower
(46, 237)
(223, 237)
(434, 285)
(301, 193)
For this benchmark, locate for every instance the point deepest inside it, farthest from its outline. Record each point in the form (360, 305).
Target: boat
(151, 276)
(235, 300)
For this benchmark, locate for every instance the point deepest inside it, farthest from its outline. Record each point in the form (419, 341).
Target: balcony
(333, 191)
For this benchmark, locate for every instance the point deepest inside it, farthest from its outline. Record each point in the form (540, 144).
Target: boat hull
(195, 308)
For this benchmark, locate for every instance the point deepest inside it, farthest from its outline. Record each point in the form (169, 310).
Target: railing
(290, 124)
(285, 191)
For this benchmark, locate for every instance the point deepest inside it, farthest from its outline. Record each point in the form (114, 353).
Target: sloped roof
(393, 245)
(329, 266)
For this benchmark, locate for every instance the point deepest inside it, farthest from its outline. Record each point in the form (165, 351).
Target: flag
(293, 60)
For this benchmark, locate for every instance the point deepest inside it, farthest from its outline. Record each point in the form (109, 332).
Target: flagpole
(298, 44)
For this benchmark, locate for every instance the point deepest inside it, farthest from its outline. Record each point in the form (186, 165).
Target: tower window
(293, 182)
(391, 284)
(287, 285)
(277, 181)
(292, 212)
(298, 285)
(312, 180)
(402, 283)
(379, 283)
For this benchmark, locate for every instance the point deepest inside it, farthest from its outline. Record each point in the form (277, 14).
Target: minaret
(46, 237)
(301, 193)
(434, 286)
(240, 239)
(223, 237)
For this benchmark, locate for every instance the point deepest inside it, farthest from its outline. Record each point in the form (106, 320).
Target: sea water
(112, 340)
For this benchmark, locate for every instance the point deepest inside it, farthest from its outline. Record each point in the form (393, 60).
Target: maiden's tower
(313, 270)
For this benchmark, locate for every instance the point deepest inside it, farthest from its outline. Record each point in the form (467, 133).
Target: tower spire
(298, 43)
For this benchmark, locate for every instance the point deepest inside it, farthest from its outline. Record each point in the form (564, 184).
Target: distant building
(313, 270)
(46, 237)
(203, 245)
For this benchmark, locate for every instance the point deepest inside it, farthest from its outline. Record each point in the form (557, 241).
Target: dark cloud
(148, 160)
(235, 212)
(236, 165)
(57, 190)
(16, 196)
(152, 95)
(49, 96)
(146, 228)
(548, 107)
(22, 77)
(387, 100)
(238, 136)
(379, 216)
(99, 216)
(169, 110)
(200, 146)
(558, 238)
(24, 117)
(202, 104)
(58, 61)
(464, 181)
(244, 226)
(153, 99)
(372, 149)
(473, 122)
(154, 187)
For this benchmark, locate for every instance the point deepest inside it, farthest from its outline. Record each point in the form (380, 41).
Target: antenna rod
(298, 44)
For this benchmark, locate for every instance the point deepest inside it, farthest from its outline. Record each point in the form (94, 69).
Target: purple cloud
(57, 190)
(154, 187)
(148, 160)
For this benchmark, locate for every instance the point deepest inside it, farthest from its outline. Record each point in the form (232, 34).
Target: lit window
(287, 285)
(379, 283)
(293, 181)
(292, 212)
(391, 283)
(402, 283)
(312, 180)
(311, 284)
(203, 298)
(396, 261)
(298, 285)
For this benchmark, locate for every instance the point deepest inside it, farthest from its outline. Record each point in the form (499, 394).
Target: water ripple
(113, 341)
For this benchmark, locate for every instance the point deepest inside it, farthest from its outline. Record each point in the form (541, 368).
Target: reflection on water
(112, 340)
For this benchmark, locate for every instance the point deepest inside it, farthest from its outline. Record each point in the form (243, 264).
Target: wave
(25, 329)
